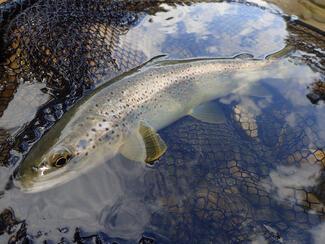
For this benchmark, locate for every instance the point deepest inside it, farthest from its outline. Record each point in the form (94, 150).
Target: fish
(124, 115)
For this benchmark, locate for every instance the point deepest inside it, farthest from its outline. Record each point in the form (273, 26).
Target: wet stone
(7, 221)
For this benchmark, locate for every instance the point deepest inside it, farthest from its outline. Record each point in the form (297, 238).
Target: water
(255, 178)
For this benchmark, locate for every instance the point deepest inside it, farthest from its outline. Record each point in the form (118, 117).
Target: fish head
(47, 165)
(61, 156)
(56, 158)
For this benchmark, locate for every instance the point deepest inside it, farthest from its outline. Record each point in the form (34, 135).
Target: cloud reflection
(285, 179)
(318, 233)
(205, 30)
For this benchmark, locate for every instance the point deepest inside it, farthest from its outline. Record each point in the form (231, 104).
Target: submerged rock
(317, 92)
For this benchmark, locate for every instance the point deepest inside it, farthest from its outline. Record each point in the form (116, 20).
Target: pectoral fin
(144, 145)
(134, 148)
(209, 112)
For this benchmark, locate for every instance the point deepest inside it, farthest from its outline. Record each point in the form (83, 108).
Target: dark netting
(68, 45)
(66, 42)
(227, 197)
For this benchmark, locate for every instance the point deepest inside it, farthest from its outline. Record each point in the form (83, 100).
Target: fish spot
(93, 129)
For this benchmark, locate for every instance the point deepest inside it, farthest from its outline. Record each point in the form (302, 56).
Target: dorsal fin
(244, 56)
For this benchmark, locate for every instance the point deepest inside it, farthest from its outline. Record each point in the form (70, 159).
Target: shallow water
(257, 177)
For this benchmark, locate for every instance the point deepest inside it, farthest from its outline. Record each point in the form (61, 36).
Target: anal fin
(144, 145)
(209, 112)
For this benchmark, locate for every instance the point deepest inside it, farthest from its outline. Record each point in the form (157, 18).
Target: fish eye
(60, 158)
(60, 162)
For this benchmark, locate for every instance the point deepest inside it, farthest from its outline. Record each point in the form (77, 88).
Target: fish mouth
(38, 183)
